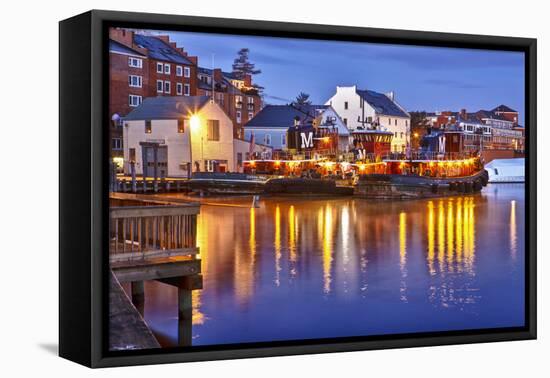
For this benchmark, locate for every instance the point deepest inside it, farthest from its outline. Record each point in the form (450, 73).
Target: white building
(271, 124)
(185, 131)
(365, 108)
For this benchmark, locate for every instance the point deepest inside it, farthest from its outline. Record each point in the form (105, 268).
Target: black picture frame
(83, 196)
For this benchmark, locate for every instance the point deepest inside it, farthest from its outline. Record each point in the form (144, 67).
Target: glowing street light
(195, 122)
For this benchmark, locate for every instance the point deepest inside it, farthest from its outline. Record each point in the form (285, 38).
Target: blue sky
(423, 78)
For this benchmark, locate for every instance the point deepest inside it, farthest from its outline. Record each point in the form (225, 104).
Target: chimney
(391, 95)
(217, 73)
(193, 60)
(126, 37)
(164, 38)
(463, 114)
(247, 80)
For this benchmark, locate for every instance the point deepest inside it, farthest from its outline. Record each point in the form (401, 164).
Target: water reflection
(301, 268)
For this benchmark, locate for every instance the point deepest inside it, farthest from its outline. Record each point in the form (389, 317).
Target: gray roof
(160, 50)
(167, 107)
(118, 47)
(381, 103)
(504, 109)
(283, 116)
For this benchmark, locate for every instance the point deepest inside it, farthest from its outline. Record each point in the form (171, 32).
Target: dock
(151, 240)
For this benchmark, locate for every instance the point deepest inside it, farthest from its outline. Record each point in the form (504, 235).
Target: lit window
(238, 116)
(186, 72)
(238, 102)
(181, 128)
(213, 130)
(148, 127)
(250, 116)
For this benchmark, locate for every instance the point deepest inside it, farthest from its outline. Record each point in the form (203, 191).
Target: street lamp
(195, 124)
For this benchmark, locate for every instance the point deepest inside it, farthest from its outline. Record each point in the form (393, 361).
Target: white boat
(506, 170)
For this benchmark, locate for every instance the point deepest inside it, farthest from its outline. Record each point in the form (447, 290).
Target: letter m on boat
(307, 141)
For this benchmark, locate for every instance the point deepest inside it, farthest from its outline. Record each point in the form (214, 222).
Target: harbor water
(305, 268)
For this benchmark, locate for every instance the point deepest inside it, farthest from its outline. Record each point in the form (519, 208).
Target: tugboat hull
(402, 187)
(304, 186)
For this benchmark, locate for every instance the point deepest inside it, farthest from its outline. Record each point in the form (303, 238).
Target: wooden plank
(152, 211)
(151, 254)
(193, 282)
(161, 268)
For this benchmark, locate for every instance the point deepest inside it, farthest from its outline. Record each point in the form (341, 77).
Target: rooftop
(283, 116)
(118, 47)
(167, 107)
(160, 50)
(504, 109)
(381, 103)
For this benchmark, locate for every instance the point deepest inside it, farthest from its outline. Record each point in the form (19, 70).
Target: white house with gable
(186, 133)
(363, 109)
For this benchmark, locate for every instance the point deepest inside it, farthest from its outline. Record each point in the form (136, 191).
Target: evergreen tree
(302, 99)
(242, 65)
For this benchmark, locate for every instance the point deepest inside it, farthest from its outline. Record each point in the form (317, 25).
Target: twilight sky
(423, 78)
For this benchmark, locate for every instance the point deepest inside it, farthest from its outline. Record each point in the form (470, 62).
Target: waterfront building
(364, 109)
(271, 125)
(186, 133)
(143, 66)
(239, 98)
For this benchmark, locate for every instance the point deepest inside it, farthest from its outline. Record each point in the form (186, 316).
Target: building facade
(239, 98)
(190, 134)
(367, 109)
(144, 66)
(270, 126)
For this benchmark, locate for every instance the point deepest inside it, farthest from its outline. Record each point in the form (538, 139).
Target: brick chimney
(193, 59)
(126, 37)
(248, 80)
(463, 114)
(217, 73)
(391, 95)
(164, 38)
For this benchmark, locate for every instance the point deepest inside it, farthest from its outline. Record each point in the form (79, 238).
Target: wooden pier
(156, 240)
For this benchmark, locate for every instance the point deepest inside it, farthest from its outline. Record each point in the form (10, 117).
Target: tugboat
(441, 167)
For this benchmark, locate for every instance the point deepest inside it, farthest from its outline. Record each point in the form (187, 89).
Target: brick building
(237, 97)
(144, 66)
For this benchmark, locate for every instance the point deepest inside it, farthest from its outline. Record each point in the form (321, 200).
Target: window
(116, 143)
(401, 135)
(186, 72)
(186, 90)
(250, 116)
(220, 98)
(238, 116)
(396, 122)
(167, 87)
(283, 140)
(345, 121)
(167, 68)
(406, 123)
(179, 71)
(389, 121)
(267, 139)
(179, 89)
(250, 100)
(181, 127)
(213, 130)
(148, 127)
(159, 86)
(239, 158)
(135, 62)
(159, 68)
(346, 105)
(132, 154)
(134, 100)
(134, 81)
(238, 102)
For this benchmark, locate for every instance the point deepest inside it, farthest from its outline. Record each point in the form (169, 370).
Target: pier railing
(142, 232)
